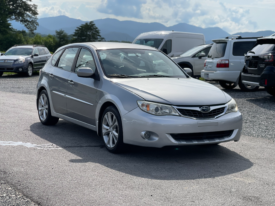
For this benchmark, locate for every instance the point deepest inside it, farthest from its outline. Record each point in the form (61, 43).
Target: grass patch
(201, 79)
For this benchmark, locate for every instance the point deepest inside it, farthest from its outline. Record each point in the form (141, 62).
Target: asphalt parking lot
(68, 165)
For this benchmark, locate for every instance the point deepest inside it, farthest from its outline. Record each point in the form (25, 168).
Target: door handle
(51, 75)
(71, 82)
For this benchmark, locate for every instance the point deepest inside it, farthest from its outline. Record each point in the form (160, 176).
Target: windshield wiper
(155, 75)
(251, 52)
(118, 75)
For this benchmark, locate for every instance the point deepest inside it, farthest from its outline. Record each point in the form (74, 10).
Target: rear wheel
(270, 90)
(44, 109)
(227, 85)
(1, 73)
(247, 87)
(111, 130)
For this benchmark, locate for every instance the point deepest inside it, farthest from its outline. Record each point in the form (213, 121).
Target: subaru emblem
(205, 109)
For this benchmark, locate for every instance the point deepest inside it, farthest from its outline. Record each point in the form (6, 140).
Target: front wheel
(44, 109)
(30, 71)
(111, 130)
(247, 87)
(227, 85)
(270, 90)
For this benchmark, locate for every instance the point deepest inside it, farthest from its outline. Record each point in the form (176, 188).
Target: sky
(230, 15)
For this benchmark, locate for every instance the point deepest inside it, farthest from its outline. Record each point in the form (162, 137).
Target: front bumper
(230, 76)
(137, 121)
(266, 79)
(14, 68)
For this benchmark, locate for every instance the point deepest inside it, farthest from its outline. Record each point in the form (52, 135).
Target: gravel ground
(258, 108)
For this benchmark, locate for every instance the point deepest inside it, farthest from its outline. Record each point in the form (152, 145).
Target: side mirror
(2, 54)
(188, 71)
(85, 72)
(202, 55)
(36, 55)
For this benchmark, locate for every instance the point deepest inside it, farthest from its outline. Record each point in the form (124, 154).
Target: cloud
(124, 8)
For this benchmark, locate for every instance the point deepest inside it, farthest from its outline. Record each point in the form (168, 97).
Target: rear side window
(241, 48)
(46, 51)
(167, 47)
(67, 59)
(264, 48)
(217, 50)
(56, 56)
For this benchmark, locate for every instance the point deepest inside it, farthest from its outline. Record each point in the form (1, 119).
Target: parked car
(170, 42)
(133, 94)
(24, 59)
(225, 62)
(260, 65)
(194, 59)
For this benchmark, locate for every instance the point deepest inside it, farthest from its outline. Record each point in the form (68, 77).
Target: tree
(87, 32)
(62, 38)
(18, 10)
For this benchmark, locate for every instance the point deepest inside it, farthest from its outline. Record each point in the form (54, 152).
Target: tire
(247, 88)
(29, 73)
(111, 130)
(270, 90)
(44, 109)
(227, 85)
(1, 73)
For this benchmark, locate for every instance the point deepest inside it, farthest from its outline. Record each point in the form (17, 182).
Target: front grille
(187, 137)
(199, 114)
(253, 64)
(6, 63)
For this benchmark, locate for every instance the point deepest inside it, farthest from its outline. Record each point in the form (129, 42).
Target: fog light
(20, 69)
(149, 136)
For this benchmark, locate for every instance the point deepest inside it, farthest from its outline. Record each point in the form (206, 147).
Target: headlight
(157, 109)
(20, 61)
(232, 106)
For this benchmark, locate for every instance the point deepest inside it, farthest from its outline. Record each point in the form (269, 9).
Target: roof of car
(112, 45)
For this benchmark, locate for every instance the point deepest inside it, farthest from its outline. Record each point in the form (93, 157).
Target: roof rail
(233, 36)
(34, 45)
(240, 37)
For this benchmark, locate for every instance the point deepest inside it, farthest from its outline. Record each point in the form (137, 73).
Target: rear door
(60, 79)
(240, 48)
(43, 57)
(36, 59)
(81, 103)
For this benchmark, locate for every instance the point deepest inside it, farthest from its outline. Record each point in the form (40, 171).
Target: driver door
(199, 61)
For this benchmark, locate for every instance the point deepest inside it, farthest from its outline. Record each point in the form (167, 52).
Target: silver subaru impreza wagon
(133, 94)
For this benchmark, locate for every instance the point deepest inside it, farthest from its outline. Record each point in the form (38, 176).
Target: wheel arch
(188, 64)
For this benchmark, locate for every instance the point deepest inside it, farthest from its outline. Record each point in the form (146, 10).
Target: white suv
(225, 62)
(194, 59)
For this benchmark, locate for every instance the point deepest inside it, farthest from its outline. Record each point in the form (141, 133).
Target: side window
(167, 47)
(67, 59)
(35, 51)
(204, 51)
(41, 51)
(241, 48)
(46, 51)
(85, 59)
(56, 56)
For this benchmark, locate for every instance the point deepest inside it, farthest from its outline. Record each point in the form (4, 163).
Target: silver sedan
(133, 94)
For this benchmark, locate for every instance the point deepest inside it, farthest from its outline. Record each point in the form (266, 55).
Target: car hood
(175, 91)
(13, 57)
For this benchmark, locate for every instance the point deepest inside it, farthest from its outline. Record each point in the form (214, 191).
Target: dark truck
(260, 65)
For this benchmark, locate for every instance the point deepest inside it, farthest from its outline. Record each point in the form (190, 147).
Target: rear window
(217, 50)
(149, 42)
(263, 48)
(241, 48)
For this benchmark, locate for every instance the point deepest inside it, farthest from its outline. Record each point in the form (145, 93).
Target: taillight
(268, 58)
(223, 63)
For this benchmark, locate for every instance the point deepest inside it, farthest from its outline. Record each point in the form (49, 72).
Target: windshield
(19, 52)
(135, 63)
(192, 51)
(263, 48)
(149, 42)
(217, 50)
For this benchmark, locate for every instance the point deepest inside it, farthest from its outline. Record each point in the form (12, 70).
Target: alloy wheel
(30, 70)
(110, 129)
(43, 107)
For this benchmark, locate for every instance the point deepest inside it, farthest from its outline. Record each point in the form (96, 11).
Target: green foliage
(18, 10)
(87, 32)
(61, 37)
